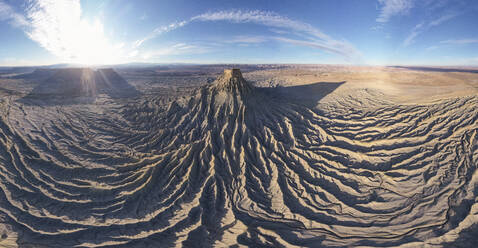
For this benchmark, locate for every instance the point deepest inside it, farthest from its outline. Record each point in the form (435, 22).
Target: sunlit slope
(233, 164)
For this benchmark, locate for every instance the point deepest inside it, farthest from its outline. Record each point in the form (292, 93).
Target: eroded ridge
(219, 168)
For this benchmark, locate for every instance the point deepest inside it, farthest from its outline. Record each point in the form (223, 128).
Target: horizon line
(78, 65)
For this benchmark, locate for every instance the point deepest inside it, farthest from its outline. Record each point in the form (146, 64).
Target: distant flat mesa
(80, 82)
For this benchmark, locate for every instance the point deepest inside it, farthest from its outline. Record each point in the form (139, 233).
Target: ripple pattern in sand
(220, 169)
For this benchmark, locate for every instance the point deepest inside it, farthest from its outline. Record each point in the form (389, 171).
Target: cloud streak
(424, 26)
(390, 8)
(159, 31)
(313, 37)
(460, 42)
(265, 18)
(437, 13)
(436, 9)
(179, 48)
(339, 48)
(8, 13)
(442, 19)
(418, 29)
(248, 39)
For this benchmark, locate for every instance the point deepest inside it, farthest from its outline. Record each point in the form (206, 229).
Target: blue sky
(370, 32)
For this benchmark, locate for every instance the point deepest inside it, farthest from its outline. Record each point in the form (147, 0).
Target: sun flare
(90, 46)
(60, 28)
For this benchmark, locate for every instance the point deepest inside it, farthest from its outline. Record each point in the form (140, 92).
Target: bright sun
(60, 28)
(91, 46)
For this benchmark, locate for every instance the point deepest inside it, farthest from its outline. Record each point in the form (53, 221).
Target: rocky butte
(232, 81)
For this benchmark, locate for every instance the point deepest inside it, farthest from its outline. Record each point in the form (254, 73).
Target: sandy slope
(238, 165)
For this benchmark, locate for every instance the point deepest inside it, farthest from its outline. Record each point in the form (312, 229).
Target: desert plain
(239, 156)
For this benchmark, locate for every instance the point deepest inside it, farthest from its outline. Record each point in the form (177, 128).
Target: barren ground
(297, 156)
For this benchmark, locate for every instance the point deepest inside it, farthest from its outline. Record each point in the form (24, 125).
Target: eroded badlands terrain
(275, 156)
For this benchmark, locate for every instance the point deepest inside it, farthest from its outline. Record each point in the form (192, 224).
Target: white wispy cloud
(278, 31)
(160, 30)
(437, 12)
(431, 48)
(338, 48)
(9, 14)
(442, 19)
(247, 39)
(274, 21)
(424, 26)
(176, 49)
(413, 34)
(455, 42)
(460, 42)
(390, 8)
(265, 18)
(313, 36)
